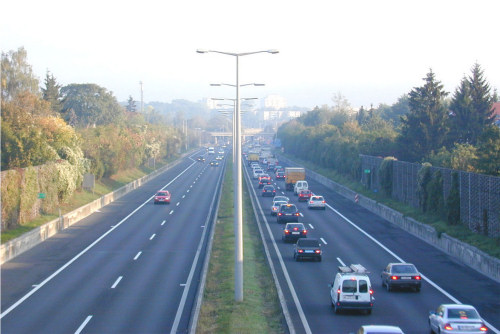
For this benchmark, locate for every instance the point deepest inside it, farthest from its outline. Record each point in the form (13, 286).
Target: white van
(211, 150)
(300, 185)
(352, 289)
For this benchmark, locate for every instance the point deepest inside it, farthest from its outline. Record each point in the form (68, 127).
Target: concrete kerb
(465, 253)
(13, 248)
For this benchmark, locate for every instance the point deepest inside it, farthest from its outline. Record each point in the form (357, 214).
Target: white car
(316, 202)
(374, 329)
(456, 318)
(352, 289)
(257, 172)
(299, 186)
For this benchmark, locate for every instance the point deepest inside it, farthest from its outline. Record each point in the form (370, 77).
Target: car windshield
(288, 209)
(457, 313)
(404, 269)
(316, 198)
(292, 226)
(161, 193)
(308, 243)
(278, 203)
(350, 286)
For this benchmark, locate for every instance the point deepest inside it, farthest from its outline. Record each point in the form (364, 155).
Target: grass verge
(260, 311)
(487, 244)
(82, 197)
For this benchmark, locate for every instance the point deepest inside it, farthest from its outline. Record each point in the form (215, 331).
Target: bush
(453, 201)
(385, 174)
(423, 178)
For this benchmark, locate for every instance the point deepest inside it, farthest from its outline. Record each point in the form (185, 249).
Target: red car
(162, 196)
(305, 195)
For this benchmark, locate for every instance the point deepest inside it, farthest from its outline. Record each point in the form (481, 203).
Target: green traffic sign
(41, 195)
(367, 171)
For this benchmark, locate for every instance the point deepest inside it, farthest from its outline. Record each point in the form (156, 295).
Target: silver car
(276, 205)
(456, 318)
(316, 202)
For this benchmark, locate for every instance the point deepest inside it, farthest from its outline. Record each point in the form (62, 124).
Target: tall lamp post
(238, 205)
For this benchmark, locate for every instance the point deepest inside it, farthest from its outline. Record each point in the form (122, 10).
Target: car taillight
(371, 292)
(483, 328)
(317, 251)
(304, 231)
(417, 278)
(295, 228)
(287, 232)
(448, 327)
(280, 214)
(301, 251)
(323, 202)
(394, 277)
(297, 214)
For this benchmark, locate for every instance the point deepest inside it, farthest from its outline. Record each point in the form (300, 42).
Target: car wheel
(324, 208)
(368, 312)
(336, 309)
(417, 289)
(319, 259)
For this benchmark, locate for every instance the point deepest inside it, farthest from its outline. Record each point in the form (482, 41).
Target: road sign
(41, 195)
(367, 171)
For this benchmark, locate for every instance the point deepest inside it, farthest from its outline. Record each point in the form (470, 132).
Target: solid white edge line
(283, 268)
(137, 256)
(437, 287)
(67, 264)
(116, 282)
(82, 326)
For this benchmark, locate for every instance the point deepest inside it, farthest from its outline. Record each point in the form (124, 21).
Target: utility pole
(142, 99)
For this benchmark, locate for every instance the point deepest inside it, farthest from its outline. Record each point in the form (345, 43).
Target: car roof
(381, 329)
(462, 306)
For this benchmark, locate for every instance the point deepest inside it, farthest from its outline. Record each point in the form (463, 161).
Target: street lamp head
(259, 84)
(202, 51)
(215, 84)
(273, 51)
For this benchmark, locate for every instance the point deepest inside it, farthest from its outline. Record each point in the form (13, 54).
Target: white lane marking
(137, 256)
(187, 190)
(82, 326)
(116, 282)
(312, 227)
(183, 284)
(282, 192)
(67, 264)
(340, 261)
(183, 196)
(172, 211)
(163, 222)
(182, 302)
(326, 243)
(202, 226)
(152, 237)
(456, 301)
(301, 214)
(191, 186)
(178, 203)
(285, 271)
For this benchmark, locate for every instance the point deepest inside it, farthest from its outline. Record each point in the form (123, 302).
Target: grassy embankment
(260, 311)
(487, 244)
(82, 197)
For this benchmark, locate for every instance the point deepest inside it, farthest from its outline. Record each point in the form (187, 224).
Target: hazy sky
(368, 50)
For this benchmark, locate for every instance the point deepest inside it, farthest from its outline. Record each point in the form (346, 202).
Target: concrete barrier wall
(465, 253)
(13, 248)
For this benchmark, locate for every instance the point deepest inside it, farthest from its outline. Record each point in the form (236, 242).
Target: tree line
(52, 135)
(424, 125)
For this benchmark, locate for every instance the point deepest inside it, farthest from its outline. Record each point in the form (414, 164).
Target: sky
(369, 51)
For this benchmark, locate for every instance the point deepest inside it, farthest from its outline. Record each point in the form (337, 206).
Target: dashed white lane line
(183, 196)
(172, 211)
(323, 240)
(312, 227)
(82, 326)
(163, 222)
(116, 282)
(137, 256)
(178, 203)
(187, 190)
(152, 237)
(301, 214)
(340, 261)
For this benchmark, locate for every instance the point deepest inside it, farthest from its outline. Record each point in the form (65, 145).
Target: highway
(352, 235)
(132, 267)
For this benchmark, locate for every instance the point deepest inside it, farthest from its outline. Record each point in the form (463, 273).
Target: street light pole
(238, 205)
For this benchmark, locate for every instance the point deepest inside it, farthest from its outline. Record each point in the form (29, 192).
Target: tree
(131, 104)
(488, 151)
(481, 101)
(424, 127)
(461, 114)
(51, 92)
(453, 201)
(463, 157)
(17, 75)
(86, 105)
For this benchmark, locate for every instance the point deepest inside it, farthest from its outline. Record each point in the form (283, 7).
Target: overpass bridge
(251, 132)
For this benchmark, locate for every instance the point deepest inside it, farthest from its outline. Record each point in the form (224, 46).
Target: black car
(401, 275)
(268, 191)
(214, 163)
(294, 231)
(201, 158)
(280, 175)
(287, 213)
(309, 248)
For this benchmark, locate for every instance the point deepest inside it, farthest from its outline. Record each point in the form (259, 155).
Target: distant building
(496, 113)
(274, 102)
